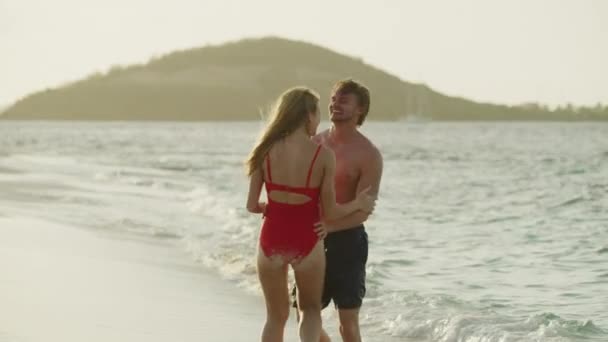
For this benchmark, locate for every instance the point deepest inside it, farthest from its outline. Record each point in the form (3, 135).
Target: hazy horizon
(488, 51)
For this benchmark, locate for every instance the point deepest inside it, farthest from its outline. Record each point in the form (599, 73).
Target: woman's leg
(272, 273)
(309, 274)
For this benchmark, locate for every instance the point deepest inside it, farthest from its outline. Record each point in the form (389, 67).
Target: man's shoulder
(367, 146)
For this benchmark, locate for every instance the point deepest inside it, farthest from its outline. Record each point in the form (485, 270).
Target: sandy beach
(62, 283)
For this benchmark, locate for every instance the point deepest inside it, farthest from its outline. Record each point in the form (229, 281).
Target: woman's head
(296, 109)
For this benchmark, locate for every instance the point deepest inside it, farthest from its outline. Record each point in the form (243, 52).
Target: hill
(234, 81)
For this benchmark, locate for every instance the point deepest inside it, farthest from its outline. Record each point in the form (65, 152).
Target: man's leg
(349, 325)
(350, 288)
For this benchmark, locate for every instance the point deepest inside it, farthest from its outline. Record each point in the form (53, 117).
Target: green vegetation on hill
(235, 81)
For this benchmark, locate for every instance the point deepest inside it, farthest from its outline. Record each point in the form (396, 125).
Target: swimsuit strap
(268, 167)
(311, 165)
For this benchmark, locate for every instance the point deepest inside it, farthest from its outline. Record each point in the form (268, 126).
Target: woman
(299, 178)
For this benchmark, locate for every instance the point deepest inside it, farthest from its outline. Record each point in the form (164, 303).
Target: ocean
(482, 231)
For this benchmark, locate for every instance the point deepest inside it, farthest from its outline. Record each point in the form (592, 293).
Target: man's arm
(371, 174)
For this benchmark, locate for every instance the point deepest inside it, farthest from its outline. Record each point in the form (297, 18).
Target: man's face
(343, 107)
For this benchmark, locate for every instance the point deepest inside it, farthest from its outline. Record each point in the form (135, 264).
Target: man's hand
(321, 230)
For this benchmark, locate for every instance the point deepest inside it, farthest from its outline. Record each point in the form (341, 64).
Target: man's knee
(350, 328)
(349, 324)
(350, 332)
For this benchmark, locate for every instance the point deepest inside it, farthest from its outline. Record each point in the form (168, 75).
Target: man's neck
(342, 132)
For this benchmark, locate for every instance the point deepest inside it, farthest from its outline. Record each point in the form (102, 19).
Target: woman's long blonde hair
(288, 114)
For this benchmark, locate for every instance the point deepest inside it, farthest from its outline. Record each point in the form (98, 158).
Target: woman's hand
(262, 207)
(366, 202)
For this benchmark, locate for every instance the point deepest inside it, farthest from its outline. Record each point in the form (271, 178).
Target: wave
(570, 202)
(448, 319)
(231, 245)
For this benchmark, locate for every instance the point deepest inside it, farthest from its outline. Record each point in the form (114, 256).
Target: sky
(510, 51)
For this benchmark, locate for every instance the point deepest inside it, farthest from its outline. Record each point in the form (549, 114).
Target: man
(358, 166)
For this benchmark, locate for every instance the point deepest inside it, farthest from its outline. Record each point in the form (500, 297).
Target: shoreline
(63, 283)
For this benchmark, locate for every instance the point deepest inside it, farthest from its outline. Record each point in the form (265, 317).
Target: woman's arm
(255, 188)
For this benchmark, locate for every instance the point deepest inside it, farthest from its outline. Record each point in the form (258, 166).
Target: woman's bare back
(290, 162)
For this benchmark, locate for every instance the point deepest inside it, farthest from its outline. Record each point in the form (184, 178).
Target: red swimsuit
(288, 229)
